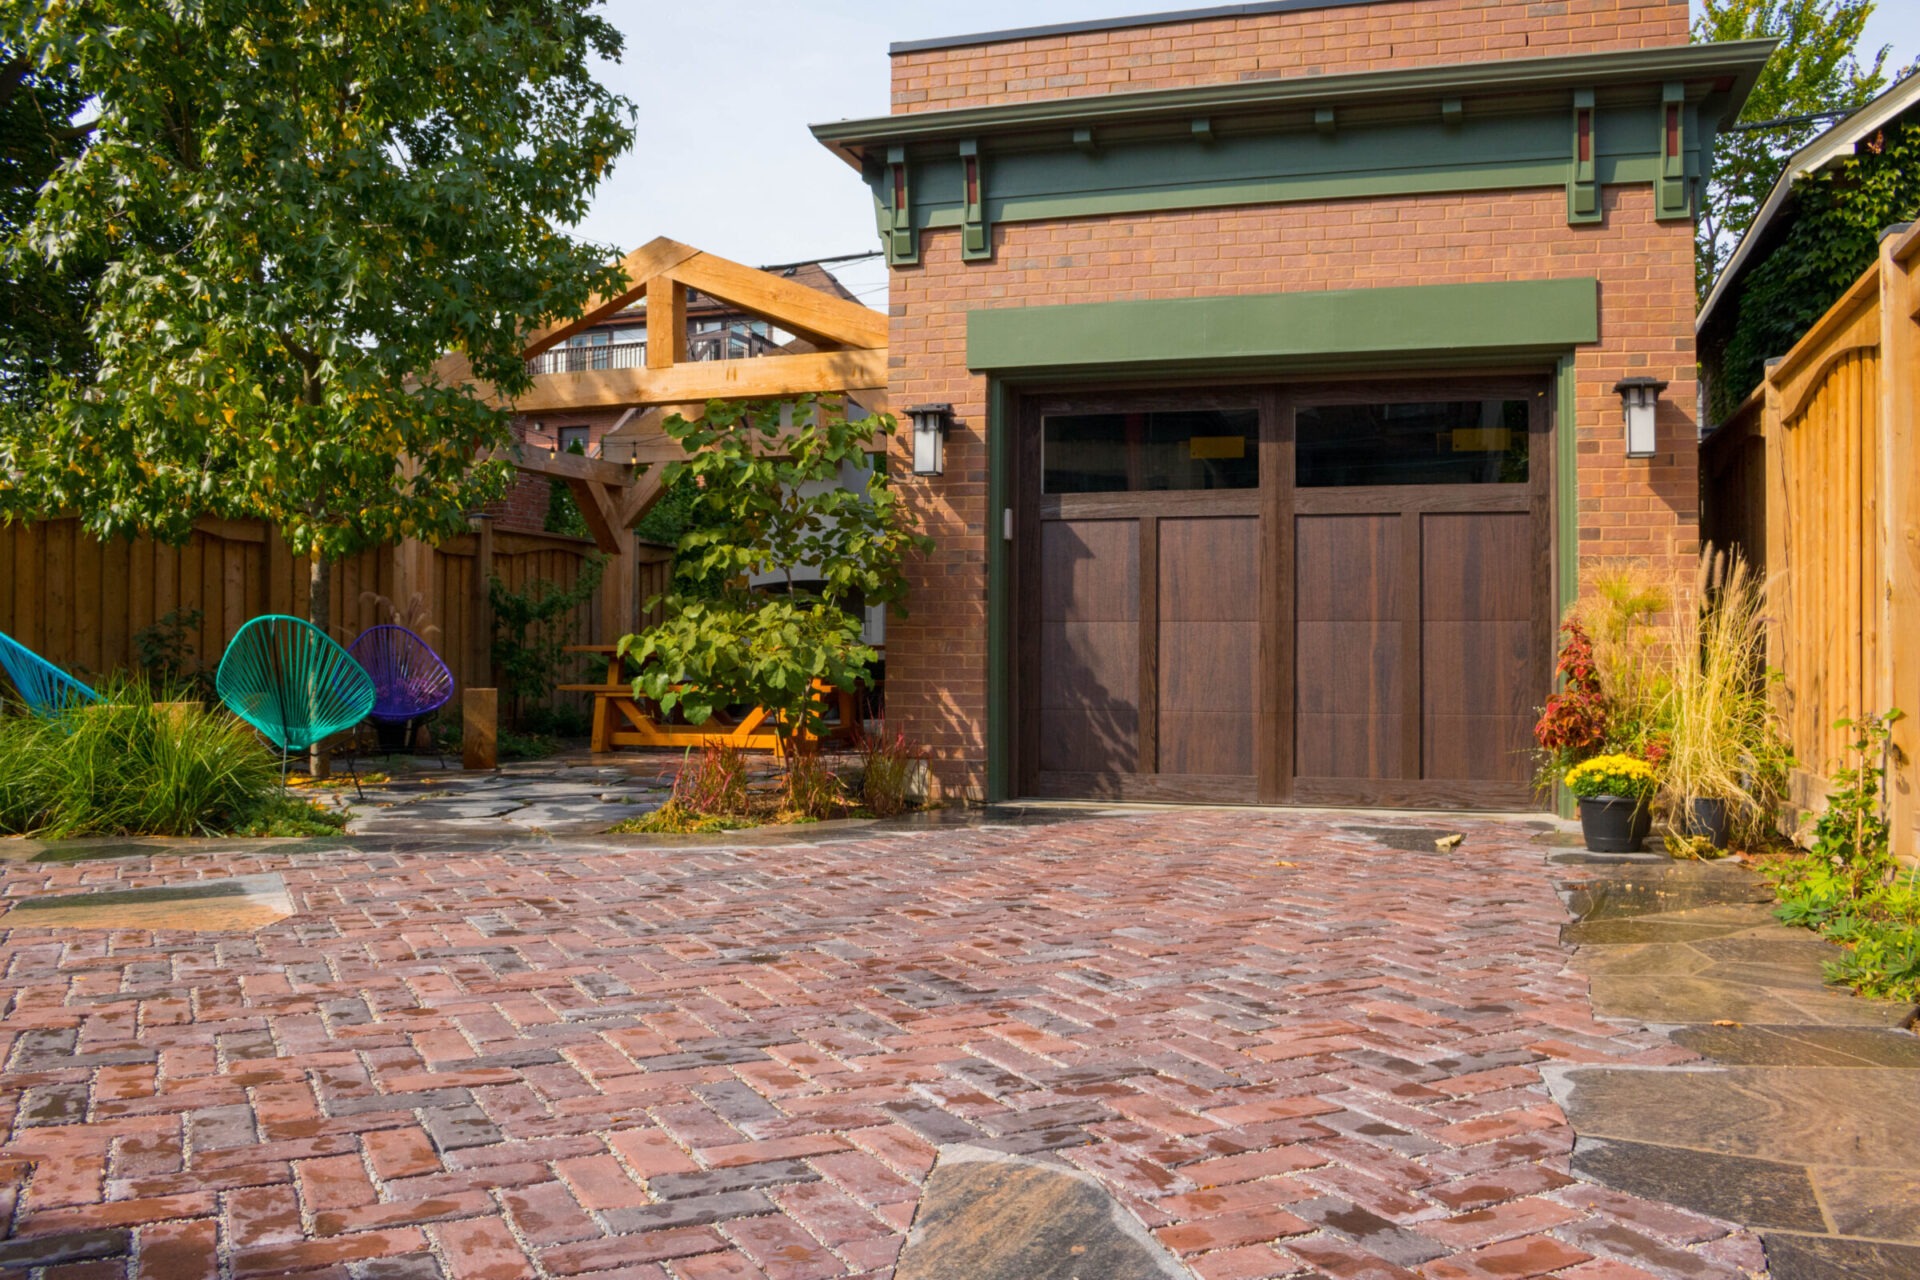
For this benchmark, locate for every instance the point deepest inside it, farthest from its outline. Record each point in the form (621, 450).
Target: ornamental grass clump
(1620, 777)
(1723, 734)
(891, 765)
(129, 767)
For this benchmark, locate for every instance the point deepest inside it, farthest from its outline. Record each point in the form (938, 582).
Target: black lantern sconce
(1640, 401)
(931, 422)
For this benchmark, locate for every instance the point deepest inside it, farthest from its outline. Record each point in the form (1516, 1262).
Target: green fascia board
(1277, 330)
(1401, 158)
(1729, 68)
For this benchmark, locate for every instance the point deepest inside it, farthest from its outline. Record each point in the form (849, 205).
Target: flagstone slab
(1666, 889)
(987, 1215)
(1877, 1203)
(1670, 998)
(1760, 1193)
(1824, 1258)
(1806, 1115)
(1804, 1046)
(237, 904)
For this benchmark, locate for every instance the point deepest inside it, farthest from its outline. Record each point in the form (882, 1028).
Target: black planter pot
(1615, 824)
(1708, 818)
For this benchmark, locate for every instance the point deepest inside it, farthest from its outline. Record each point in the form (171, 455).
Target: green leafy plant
(773, 494)
(43, 305)
(1848, 885)
(563, 509)
(1839, 214)
(531, 629)
(286, 817)
(164, 650)
(1626, 777)
(674, 818)
(1818, 67)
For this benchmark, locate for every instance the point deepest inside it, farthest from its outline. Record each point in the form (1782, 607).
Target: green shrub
(129, 768)
(1849, 887)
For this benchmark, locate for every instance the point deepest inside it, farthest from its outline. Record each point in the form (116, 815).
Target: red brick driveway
(1288, 1048)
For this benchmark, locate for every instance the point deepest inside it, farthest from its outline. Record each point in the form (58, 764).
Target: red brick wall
(1312, 42)
(937, 657)
(526, 500)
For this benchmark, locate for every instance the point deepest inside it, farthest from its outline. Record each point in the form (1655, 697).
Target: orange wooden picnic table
(622, 720)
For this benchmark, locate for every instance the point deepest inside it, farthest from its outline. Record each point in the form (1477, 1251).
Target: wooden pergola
(840, 350)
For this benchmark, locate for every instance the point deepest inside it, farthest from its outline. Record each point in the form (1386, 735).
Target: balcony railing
(718, 344)
(614, 355)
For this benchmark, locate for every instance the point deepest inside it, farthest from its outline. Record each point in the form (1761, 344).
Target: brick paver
(1287, 1048)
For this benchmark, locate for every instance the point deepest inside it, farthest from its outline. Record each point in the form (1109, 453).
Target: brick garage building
(1282, 342)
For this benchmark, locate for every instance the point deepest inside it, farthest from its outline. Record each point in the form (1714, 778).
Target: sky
(726, 89)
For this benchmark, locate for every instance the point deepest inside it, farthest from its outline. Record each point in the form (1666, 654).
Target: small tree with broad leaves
(771, 497)
(302, 207)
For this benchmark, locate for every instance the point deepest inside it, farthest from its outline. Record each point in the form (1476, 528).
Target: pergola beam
(761, 378)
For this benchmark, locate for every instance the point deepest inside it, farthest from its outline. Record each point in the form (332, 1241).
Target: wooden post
(666, 323)
(482, 638)
(479, 728)
(617, 614)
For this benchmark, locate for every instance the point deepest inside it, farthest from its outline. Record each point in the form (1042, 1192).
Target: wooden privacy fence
(1815, 479)
(81, 602)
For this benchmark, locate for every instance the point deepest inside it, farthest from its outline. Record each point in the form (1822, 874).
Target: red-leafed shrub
(1573, 724)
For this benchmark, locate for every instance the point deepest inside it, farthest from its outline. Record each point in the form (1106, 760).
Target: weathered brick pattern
(936, 659)
(1313, 42)
(1290, 1050)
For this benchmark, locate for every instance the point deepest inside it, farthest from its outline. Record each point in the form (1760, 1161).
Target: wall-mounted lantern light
(1640, 399)
(930, 425)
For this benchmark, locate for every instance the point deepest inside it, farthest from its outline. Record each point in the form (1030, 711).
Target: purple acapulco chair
(410, 682)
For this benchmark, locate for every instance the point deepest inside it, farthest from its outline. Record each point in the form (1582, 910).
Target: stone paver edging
(1284, 1047)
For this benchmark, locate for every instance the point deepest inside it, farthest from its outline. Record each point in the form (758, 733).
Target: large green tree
(42, 306)
(301, 207)
(1817, 69)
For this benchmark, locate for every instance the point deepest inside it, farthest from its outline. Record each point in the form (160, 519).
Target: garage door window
(1431, 442)
(1148, 452)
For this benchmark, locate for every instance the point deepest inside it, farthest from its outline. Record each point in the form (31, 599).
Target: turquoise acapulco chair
(285, 677)
(45, 688)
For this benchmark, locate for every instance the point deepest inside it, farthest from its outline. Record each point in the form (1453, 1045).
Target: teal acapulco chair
(287, 679)
(45, 688)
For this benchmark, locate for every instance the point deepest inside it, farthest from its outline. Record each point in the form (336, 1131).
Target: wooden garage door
(1146, 603)
(1423, 597)
(1334, 595)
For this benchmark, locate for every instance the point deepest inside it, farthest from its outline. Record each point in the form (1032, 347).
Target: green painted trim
(1277, 166)
(1274, 331)
(1566, 484)
(999, 596)
(1566, 479)
(1735, 63)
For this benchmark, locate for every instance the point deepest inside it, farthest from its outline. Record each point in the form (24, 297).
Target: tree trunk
(320, 614)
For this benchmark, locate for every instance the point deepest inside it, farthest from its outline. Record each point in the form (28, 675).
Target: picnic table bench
(622, 720)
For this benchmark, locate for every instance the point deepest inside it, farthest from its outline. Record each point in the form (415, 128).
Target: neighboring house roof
(1837, 143)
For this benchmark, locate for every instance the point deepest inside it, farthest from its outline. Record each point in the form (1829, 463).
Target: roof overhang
(1835, 144)
(1721, 74)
